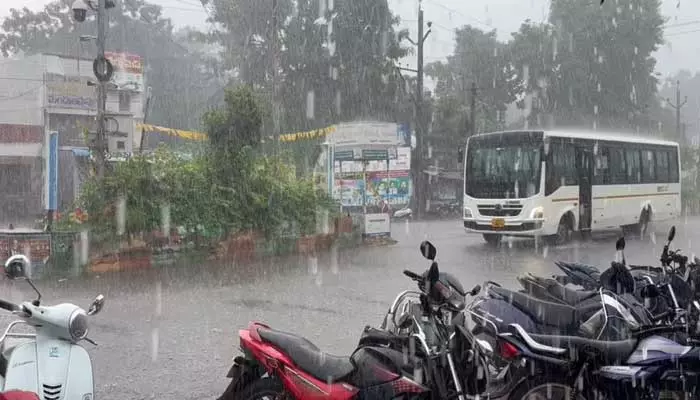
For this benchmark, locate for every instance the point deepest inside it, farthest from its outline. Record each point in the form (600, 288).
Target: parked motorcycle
(644, 366)
(429, 362)
(51, 363)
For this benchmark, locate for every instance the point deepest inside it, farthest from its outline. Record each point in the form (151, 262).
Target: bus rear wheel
(492, 239)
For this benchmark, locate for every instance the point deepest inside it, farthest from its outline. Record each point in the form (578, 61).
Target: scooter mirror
(96, 305)
(672, 234)
(16, 266)
(475, 290)
(428, 250)
(649, 292)
(620, 244)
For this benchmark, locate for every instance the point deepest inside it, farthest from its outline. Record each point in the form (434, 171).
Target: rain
(205, 165)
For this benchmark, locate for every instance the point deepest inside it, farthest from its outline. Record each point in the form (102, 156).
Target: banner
(128, 70)
(394, 187)
(349, 192)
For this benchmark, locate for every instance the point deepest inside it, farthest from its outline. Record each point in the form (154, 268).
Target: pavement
(171, 333)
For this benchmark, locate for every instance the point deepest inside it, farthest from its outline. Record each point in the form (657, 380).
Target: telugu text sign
(70, 92)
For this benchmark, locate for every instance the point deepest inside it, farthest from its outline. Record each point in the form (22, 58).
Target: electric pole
(472, 111)
(677, 106)
(275, 111)
(101, 89)
(421, 187)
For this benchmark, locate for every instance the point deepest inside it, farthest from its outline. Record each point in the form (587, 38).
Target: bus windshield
(503, 166)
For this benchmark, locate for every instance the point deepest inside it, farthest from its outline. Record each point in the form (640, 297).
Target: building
(47, 93)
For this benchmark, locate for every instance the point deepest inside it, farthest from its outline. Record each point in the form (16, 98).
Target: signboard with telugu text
(69, 92)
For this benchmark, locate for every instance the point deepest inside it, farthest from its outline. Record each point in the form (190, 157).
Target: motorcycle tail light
(508, 351)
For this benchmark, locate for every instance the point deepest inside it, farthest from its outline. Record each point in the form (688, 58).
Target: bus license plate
(498, 223)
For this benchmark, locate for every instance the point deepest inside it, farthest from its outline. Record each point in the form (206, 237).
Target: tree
(236, 125)
(604, 61)
(137, 27)
(481, 59)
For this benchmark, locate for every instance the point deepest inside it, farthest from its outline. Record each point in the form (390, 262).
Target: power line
(682, 33)
(452, 10)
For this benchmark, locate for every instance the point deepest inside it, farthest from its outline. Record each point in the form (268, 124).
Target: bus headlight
(468, 212)
(538, 213)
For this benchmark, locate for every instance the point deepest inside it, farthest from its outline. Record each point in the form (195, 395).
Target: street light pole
(421, 187)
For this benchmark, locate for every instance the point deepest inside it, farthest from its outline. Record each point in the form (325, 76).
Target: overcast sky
(680, 52)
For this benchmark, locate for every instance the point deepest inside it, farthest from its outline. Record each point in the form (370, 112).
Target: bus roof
(608, 136)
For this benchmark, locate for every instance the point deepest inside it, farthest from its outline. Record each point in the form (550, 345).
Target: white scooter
(51, 363)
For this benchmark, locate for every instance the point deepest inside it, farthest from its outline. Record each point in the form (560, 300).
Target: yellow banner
(198, 136)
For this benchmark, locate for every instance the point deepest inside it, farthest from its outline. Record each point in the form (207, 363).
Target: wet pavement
(171, 333)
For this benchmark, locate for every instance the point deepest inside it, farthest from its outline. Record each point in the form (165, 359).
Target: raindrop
(310, 103)
(154, 344)
(121, 215)
(555, 46)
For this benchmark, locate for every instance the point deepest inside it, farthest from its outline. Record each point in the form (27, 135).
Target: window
(618, 168)
(124, 101)
(673, 166)
(648, 167)
(602, 167)
(634, 166)
(662, 166)
(561, 167)
(121, 145)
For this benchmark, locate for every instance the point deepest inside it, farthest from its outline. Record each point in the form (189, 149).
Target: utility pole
(472, 111)
(421, 187)
(275, 111)
(677, 106)
(101, 89)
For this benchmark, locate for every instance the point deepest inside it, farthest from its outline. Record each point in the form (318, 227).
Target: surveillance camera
(430, 25)
(80, 9)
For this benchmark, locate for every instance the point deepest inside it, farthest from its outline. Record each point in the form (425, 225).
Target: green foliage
(236, 125)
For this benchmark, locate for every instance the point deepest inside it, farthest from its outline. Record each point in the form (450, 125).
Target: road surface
(171, 333)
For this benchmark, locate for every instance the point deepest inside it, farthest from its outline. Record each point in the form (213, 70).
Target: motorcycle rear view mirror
(428, 250)
(96, 305)
(620, 244)
(672, 234)
(475, 290)
(16, 266)
(649, 292)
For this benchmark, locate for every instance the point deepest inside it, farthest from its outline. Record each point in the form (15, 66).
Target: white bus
(551, 184)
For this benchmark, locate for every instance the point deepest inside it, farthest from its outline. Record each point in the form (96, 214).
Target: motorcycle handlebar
(6, 305)
(412, 275)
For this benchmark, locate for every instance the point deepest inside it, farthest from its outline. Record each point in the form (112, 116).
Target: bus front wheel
(564, 233)
(492, 239)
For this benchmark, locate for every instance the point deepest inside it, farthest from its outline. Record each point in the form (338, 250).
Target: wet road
(171, 333)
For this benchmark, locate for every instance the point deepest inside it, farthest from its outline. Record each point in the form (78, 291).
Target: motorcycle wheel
(545, 388)
(264, 388)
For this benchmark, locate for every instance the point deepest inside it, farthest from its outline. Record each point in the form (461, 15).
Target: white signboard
(377, 224)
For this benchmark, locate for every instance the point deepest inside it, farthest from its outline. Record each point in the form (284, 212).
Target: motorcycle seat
(569, 295)
(583, 268)
(544, 312)
(608, 352)
(307, 356)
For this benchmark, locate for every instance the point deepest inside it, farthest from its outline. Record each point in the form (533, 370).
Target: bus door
(584, 168)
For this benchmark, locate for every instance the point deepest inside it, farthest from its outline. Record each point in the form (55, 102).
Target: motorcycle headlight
(78, 325)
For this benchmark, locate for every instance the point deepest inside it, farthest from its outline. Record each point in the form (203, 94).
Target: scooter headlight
(78, 325)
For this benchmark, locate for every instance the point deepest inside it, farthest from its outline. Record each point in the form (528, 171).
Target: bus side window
(602, 168)
(648, 167)
(662, 171)
(673, 167)
(618, 167)
(634, 167)
(561, 167)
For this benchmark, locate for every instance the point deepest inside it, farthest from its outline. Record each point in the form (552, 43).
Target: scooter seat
(570, 296)
(543, 312)
(307, 356)
(607, 352)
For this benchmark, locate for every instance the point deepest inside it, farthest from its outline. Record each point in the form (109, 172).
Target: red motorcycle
(441, 361)
(18, 395)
